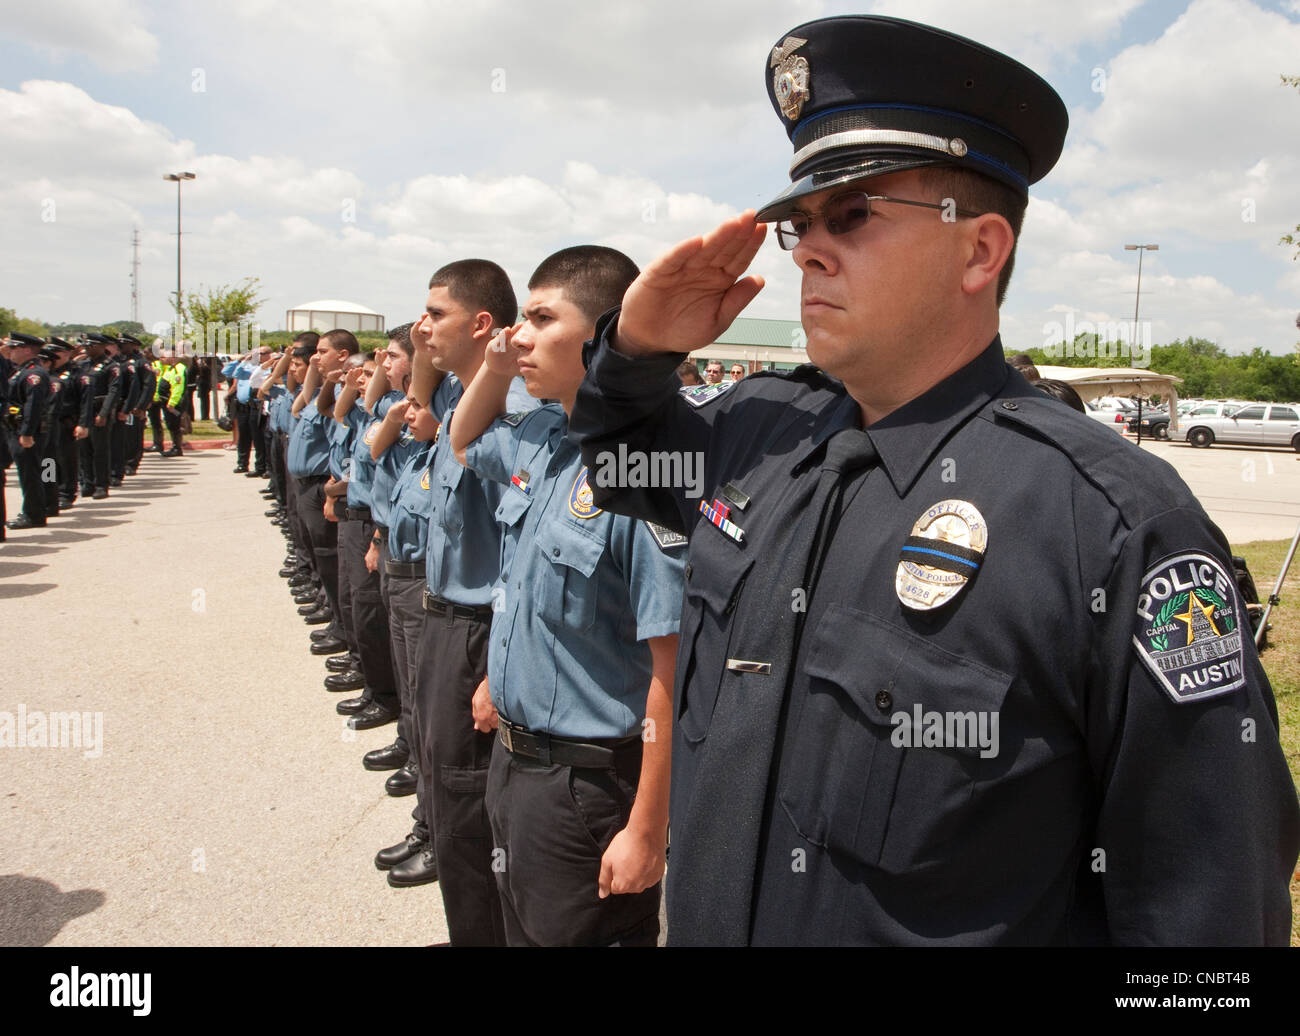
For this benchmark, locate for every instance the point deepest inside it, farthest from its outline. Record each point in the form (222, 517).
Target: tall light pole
(1137, 301)
(178, 177)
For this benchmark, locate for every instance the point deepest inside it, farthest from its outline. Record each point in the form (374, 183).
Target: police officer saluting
(27, 393)
(957, 665)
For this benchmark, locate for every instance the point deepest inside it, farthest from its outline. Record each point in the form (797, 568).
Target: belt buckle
(503, 735)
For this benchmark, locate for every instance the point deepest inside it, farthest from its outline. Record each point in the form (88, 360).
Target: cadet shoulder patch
(1187, 631)
(513, 419)
(665, 537)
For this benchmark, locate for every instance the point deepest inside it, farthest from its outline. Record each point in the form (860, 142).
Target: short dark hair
(478, 285)
(687, 369)
(592, 277)
(979, 193)
(306, 338)
(305, 351)
(344, 341)
(401, 336)
(1060, 390)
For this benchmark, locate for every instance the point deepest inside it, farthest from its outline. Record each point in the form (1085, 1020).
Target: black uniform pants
(155, 422)
(134, 442)
(116, 447)
(50, 469)
(249, 418)
(173, 426)
(369, 619)
(94, 459)
(322, 537)
(297, 530)
(405, 598)
(27, 460)
(69, 450)
(453, 659)
(275, 464)
(555, 823)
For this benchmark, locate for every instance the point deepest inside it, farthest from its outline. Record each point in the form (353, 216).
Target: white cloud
(106, 31)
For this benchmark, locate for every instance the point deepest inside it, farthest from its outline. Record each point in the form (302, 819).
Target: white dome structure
(328, 314)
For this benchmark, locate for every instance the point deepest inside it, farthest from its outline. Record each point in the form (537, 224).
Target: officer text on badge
(657, 469)
(1187, 630)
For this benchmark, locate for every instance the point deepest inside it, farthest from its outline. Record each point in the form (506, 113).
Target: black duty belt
(356, 514)
(312, 480)
(439, 606)
(550, 750)
(405, 569)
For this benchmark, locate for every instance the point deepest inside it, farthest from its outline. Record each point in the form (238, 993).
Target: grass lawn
(1282, 661)
(209, 430)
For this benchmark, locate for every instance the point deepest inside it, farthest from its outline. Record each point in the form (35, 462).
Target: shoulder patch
(698, 395)
(1187, 631)
(665, 537)
(513, 419)
(33, 379)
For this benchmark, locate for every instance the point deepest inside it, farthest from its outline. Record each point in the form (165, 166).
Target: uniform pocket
(565, 594)
(715, 579)
(888, 743)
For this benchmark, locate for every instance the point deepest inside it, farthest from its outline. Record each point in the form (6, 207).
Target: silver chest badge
(943, 552)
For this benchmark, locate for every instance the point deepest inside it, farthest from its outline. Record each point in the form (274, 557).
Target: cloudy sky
(346, 150)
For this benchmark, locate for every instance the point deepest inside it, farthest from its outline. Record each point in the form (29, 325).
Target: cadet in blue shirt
(467, 301)
(239, 371)
(580, 666)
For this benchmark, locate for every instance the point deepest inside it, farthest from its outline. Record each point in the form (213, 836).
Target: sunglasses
(845, 213)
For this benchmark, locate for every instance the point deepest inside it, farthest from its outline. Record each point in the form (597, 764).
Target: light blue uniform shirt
(584, 588)
(463, 560)
(309, 443)
(390, 462)
(280, 402)
(240, 371)
(362, 474)
(341, 438)
(408, 532)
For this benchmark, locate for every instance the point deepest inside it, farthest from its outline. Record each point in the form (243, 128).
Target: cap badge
(941, 555)
(790, 80)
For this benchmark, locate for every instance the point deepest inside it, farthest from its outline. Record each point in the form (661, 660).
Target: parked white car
(1254, 424)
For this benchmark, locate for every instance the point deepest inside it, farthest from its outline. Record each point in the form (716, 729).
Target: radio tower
(135, 275)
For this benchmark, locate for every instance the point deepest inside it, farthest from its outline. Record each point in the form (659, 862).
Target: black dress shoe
(241, 469)
(100, 494)
(340, 663)
(289, 571)
(330, 647)
(328, 633)
(373, 715)
(404, 781)
(391, 757)
(114, 482)
(296, 583)
(351, 706)
(352, 680)
(23, 522)
(316, 618)
(419, 869)
(274, 512)
(304, 608)
(399, 853)
(254, 474)
(175, 451)
(306, 598)
(65, 502)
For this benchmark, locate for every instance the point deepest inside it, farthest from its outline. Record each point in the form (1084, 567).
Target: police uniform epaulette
(806, 372)
(1139, 485)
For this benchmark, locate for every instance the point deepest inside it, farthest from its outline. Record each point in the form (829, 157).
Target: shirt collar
(907, 438)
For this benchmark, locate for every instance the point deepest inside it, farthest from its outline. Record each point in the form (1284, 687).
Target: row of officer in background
(74, 416)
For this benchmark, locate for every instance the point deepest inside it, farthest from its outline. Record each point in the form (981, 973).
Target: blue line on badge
(941, 554)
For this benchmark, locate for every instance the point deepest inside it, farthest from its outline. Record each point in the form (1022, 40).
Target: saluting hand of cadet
(689, 295)
(485, 713)
(334, 377)
(500, 356)
(422, 333)
(397, 412)
(353, 378)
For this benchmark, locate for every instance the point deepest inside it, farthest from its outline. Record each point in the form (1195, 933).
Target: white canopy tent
(1094, 382)
(328, 314)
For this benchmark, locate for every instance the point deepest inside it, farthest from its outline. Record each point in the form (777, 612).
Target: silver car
(1254, 424)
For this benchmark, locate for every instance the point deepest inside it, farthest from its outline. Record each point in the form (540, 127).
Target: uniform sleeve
(492, 455)
(114, 393)
(636, 403)
(178, 386)
(37, 399)
(228, 371)
(654, 575)
(1198, 823)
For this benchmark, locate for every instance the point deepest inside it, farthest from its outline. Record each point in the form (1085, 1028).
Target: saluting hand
(397, 412)
(500, 356)
(422, 333)
(689, 295)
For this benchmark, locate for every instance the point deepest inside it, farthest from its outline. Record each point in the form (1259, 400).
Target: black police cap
(129, 339)
(58, 343)
(863, 96)
(18, 338)
(98, 339)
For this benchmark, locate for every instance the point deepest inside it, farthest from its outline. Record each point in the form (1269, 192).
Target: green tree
(226, 304)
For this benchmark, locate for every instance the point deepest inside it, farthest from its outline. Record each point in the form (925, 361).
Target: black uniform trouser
(275, 464)
(297, 531)
(116, 447)
(155, 422)
(257, 422)
(405, 598)
(27, 461)
(205, 401)
(69, 451)
(243, 417)
(134, 442)
(94, 459)
(555, 823)
(369, 618)
(173, 426)
(453, 659)
(50, 469)
(322, 537)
